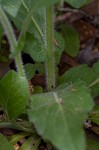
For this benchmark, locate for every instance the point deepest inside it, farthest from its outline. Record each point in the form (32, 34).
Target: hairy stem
(49, 36)
(12, 40)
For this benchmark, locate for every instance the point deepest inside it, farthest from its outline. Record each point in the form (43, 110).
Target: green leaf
(95, 69)
(94, 115)
(4, 144)
(40, 68)
(37, 90)
(24, 25)
(36, 50)
(92, 144)
(37, 21)
(11, 7)
(17, 137)
(85, 73)
(19, 16)
(58, 116)
(87, 2)
(42, 3)
(30, 70)
(27, 145)
(30, 144)
(95, 88)
(1, 32)
(71, 39)
(82, 72)
(20, 44)
(14, 94)
(76, 3)
(58, 50)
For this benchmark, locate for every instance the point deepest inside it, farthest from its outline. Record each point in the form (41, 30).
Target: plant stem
(49, 37)
(33, 20)
(6, 124)
(61, 3)
(20, 126)
(12, 40)
(93, 83)
(19, 65)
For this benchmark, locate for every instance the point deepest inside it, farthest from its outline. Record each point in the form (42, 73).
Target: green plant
(59, 112)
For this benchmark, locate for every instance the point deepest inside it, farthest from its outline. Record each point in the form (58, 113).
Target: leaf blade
(14, 94)
(54, 115)
(84, 73)
(76, 3)
(71, 39)
(4, 144)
